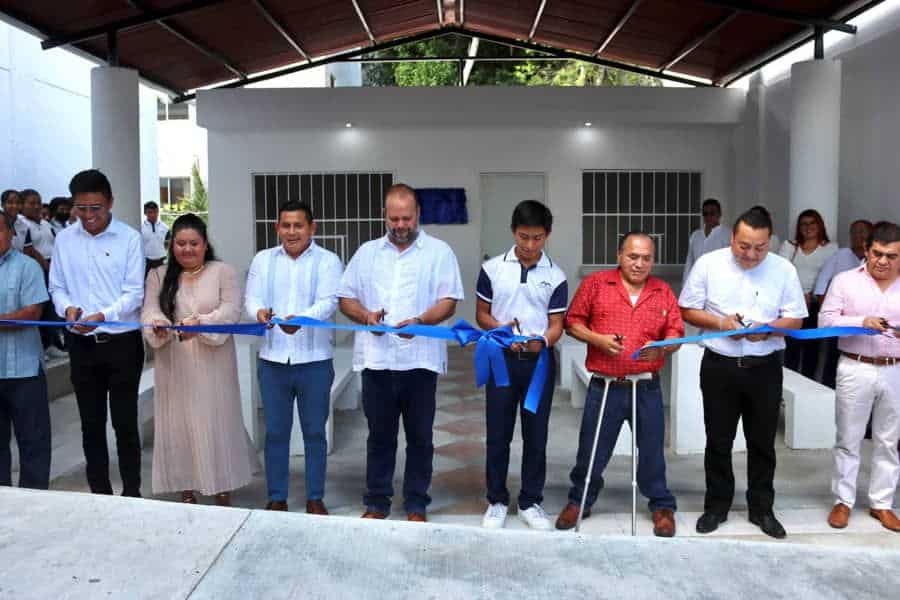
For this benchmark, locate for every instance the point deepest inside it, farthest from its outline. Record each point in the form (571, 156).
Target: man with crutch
(616, 313)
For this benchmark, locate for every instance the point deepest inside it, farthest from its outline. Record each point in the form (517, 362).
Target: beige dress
(199, 438)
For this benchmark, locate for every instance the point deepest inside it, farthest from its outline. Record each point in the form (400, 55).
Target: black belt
(743, 362)
(621, 381)
(102, 338)
(524, 355)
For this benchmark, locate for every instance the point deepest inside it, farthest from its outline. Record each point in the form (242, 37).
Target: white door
(500, 193)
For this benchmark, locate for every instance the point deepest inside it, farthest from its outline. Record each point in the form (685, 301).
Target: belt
(101, 338)
(743, 362)
(880, 361)
(524, 355)
(619, 381)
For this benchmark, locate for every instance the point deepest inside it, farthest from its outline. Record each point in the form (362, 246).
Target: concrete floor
(802, 484)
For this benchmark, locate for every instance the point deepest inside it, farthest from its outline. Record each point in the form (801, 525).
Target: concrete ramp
(69, 545)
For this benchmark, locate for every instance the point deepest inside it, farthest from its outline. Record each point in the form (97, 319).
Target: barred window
(665, 204)
(346, 206)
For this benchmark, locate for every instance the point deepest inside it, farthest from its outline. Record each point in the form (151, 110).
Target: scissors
(740, 319)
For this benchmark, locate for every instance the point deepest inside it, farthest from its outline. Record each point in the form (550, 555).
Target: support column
(815, 141)
(115, 138)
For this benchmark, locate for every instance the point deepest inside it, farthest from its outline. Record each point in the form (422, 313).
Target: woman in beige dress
(200, 443)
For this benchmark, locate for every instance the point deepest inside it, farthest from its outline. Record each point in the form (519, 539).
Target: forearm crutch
(590, 471)
(634, 379)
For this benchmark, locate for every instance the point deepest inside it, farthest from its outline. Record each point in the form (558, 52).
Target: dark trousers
(829, 369)
(501, 406)
(101, 373)
(387, 396)
(730, 393)
(802, 356)
(50, 336)
(651, 431)
(25, 409)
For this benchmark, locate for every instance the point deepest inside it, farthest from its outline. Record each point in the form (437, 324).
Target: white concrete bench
(808, 413)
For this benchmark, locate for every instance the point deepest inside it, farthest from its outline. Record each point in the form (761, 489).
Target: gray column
(815, 141)
(115, 138)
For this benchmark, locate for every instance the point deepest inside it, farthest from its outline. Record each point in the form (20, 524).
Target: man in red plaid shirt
(616, 313)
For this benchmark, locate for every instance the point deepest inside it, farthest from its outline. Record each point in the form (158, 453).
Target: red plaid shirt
(603, 306)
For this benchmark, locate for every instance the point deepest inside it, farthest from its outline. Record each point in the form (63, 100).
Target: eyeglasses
(88, 207)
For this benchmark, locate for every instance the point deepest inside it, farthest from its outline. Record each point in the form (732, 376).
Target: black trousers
(802, 356)
(732, 392)
(109, 372)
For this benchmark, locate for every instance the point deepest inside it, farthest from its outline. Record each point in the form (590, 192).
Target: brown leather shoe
(839, 516)
(280, 505)
(374, 514)
(416, 517)
(663, 522)
(316, 507)
(568, 518)
(887, 517)
(188, 497)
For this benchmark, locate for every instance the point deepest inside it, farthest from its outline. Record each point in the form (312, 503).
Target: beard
(408, 237)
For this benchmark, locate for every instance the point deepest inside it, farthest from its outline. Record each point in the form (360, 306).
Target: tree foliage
(525, 72)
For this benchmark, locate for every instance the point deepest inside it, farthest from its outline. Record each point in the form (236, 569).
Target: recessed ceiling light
(348, 124)
(588, 124)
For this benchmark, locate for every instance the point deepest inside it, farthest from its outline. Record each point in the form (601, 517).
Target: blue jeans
(651, 429)
(279, 385)
(387, 396)
(501, 406)
(25, 408)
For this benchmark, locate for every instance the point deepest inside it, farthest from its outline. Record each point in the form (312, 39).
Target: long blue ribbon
(801, 334)
(489, 345)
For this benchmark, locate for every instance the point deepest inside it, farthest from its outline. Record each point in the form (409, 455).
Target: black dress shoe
(768, 524)
(710, 521)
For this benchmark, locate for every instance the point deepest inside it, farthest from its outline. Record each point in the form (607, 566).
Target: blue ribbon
(489, 345)
(801, 334)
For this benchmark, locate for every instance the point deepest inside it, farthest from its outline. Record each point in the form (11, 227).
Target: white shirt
(305, 287)
(526, 294)
(700, 243)
(808, 265)
(769, 291)
(42, 236)
(99, 273)
(153, 237)
(21, 234)
(842, 260)
(56, 226)
(405, 284)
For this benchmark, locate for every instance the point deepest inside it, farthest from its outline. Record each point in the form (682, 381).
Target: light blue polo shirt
(21, 285)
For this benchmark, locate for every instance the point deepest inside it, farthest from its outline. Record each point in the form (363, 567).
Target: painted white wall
(45, 118)
(181, 143)
(270, 130)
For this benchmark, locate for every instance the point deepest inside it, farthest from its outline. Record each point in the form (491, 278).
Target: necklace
(195, 271)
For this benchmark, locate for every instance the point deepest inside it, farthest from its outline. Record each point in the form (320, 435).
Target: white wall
(251, 132)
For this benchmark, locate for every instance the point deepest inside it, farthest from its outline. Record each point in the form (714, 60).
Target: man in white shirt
(525, 289)
(97, 275)
(842, 260)
(404, 278)
(295, 279)
(711, 236)
(60, 213)
(154, 235)
(744, 286)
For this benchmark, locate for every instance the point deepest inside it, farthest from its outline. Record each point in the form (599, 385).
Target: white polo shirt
(21, 234)
(405, 284)
(528, 294)
(305, 287)
(763, 294)
(41, 235)
(153, 238)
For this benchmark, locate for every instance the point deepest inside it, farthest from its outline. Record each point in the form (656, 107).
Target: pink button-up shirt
(853, 296)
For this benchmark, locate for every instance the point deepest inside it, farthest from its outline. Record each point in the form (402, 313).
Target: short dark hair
(7, 194)
(55, 203)
(712, 202)
(28, 192)
(89, 182)
(401, 188)
(865, 222)
(884, 232)
(755, 218)
(635, 233)
(150, 206)
(531, 213)
(8, 221)
(294, 206)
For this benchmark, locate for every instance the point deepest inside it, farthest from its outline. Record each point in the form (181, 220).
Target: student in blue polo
(522, 288)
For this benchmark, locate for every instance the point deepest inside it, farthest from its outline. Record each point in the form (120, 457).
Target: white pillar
(115, 138)
(815, 141)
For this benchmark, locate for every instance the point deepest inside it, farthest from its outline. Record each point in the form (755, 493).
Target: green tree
(196, 202)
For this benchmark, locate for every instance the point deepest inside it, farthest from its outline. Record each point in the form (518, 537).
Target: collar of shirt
(543, 261)
(6, 255)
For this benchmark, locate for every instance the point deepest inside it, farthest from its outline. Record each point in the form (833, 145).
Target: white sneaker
(494, 516)
(535, 517)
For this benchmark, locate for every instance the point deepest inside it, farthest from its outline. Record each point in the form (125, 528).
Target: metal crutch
(634, 379)
(587, 482)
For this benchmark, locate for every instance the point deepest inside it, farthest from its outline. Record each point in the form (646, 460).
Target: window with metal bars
(346, 206)
(665, 204)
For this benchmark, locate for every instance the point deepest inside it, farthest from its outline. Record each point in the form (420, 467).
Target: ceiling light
(588, 124)
(348, 124)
